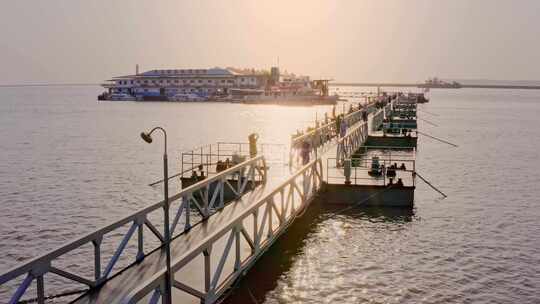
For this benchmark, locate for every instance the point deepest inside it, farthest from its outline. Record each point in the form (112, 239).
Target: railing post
(140, 239)
(206, 200)
(270, 226)
(221, 193)
(347, 171)
(237, 260)
(207, 269)
(256, 238)
(265, 170)
(291, 153)
(355, 170)
(40, 290)
(210, 162)
(282, 203)
(305, 185)
(97, 258)
(187, 212)
(37, 272)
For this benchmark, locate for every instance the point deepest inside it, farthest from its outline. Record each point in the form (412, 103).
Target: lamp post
(147, 137)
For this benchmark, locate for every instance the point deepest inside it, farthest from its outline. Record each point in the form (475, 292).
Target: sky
(66, 41)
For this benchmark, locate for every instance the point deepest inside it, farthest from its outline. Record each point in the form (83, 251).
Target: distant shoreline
(434, 86)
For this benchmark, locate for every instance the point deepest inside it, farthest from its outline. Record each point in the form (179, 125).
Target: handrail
(363, 165)
(217, 177)
(319, 137)
(40, 265)
(235, 228)
(324, 126)
(348, 144)
(71, 245)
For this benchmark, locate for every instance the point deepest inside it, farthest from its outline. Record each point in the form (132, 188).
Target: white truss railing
(206, 196)
(351, 142)
(320, 137)
(377, 120)
(388, 110)
(258, 226)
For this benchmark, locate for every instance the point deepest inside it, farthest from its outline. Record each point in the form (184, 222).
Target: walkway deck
(116, 289)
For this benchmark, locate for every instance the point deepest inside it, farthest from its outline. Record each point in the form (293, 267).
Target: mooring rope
(161, 180)
(441, 140)
(427, 112)
(429, 184)
(429, 122)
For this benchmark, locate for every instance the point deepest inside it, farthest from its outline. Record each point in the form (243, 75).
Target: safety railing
(377, 120)
(386, 151)
(397, 110)
(371, 109)
(406, 100)
(361, 171)
(208, 157)
(400, 124)
(257, 227)
(205, 196)
(388, 110)
(319, 138)
(405, 104)
(208, 196)
(350, 143)
(273, 153)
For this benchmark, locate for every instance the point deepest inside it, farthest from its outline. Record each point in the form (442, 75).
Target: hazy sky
(357, 40)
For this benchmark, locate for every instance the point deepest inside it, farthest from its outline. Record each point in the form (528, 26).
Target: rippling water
(69, 164)
(479, 245)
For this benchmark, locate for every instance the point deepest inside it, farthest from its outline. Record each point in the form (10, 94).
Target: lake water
(69, 164)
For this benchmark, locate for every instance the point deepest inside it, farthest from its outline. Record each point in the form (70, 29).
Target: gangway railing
(207, 157)
(361, 167)
(319, 138)
(377, 120)
(259, 226)
(205, 196)
(348, 144)
(386, 151)
(387, 109)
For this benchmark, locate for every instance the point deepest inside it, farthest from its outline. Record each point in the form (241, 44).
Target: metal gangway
(212, 243)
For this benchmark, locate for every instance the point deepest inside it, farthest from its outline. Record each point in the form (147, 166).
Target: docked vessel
(289, 91)
(219, 84)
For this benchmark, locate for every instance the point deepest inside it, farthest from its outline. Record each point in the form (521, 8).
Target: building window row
(189, 71)
(185, 81)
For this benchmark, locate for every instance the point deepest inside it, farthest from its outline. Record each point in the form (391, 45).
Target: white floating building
(160, 84)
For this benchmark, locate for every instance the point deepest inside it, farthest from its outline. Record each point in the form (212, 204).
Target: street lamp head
(146, 137)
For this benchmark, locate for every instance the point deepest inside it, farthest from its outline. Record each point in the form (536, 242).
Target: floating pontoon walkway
(209, 256)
